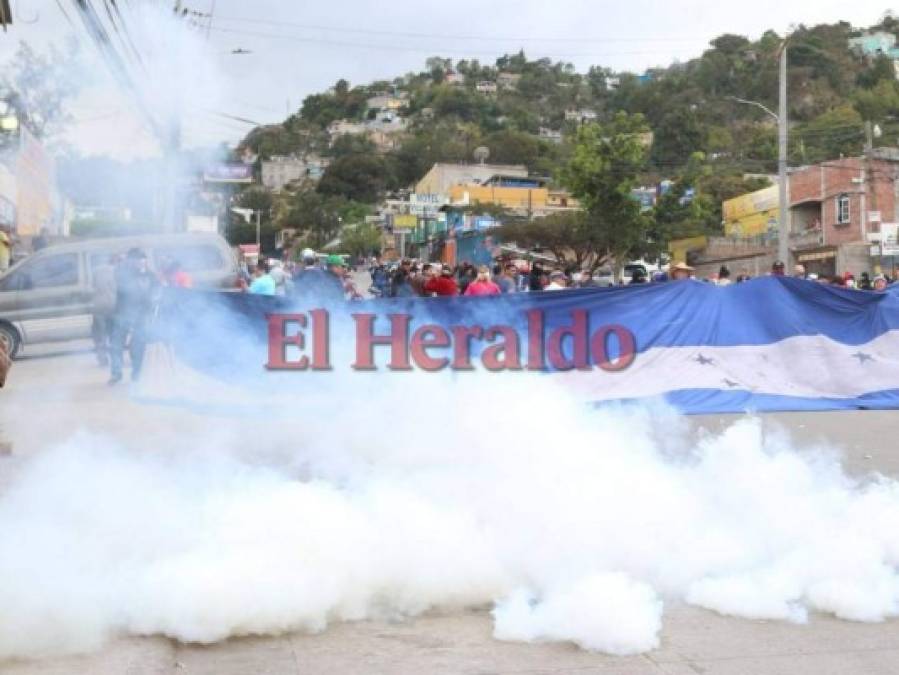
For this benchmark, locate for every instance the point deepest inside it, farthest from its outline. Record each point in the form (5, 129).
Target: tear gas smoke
(425, 493)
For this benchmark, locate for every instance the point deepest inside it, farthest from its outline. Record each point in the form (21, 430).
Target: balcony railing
(806, 238)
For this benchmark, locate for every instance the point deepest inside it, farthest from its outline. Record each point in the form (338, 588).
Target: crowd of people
(411, 278)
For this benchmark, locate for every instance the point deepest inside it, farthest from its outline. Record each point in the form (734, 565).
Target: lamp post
(783, 225)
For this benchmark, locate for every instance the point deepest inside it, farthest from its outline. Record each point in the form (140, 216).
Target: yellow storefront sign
(751, 214)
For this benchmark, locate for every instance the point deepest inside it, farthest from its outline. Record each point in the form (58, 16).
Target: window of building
(843, 211)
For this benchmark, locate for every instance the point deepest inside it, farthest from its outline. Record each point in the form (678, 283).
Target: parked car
(48, 296)
(604, 276)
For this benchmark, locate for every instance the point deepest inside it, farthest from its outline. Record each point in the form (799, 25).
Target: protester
(467, 274)
(176, 276)
(482, 285)
(419, 280)
(880, 283)
(263, 283)
(778, 268)
(103, 307)
(400, 281)
(507, 280)
(279, 276)
(864, 282)
(315, 285)
(136, 286)
(535, 281)
(799, 271)
(380, 280)
(724, 276)
(557, 281)
(681, 271)
(443, 285)
(5, 248)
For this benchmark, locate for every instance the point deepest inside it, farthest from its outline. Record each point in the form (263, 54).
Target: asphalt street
(63, 389)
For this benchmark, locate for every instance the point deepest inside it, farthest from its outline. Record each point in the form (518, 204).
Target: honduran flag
(770, 344)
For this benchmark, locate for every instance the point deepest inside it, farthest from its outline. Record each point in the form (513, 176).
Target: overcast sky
(300, 47)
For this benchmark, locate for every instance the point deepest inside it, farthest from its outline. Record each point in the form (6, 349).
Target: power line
(446, 36)
(410, 49)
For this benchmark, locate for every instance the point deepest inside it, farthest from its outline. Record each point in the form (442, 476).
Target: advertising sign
(228, 173)
(888, 242)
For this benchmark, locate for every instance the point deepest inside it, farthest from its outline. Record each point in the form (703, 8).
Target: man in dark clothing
(535, 282)
(136, 287)
(318, 286)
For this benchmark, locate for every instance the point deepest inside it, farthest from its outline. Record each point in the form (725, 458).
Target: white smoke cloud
(386, 497)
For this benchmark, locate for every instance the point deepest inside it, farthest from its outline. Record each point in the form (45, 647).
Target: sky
(300, 47)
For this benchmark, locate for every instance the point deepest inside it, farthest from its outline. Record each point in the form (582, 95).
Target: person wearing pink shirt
(482, 285)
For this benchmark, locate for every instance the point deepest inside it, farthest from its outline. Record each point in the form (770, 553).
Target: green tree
(837, 133)
(360, 239)
(684, 210)
(43, 84)
(362, 178)
(568, 236)
(602, 174)
(678, 136)
(315, 216)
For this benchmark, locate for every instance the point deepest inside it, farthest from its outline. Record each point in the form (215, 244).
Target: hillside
(383, 136)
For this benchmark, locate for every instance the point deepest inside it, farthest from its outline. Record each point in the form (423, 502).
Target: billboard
(228, 173)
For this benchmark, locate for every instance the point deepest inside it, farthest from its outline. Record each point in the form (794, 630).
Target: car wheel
(9, 337)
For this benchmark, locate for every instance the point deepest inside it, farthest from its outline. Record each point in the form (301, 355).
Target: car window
(51, 272)
(100, 259)
(198, 258)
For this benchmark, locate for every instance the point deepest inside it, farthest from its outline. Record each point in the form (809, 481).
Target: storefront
(821, 261)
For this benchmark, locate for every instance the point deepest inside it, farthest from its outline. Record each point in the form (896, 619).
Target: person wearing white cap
(557, 281)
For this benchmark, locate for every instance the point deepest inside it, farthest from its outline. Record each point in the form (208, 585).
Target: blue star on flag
(704, 361)
(862, 357)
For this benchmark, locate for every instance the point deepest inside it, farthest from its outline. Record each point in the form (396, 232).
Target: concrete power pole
(783, 245)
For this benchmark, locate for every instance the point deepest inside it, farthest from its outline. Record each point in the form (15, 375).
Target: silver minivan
(48, 296)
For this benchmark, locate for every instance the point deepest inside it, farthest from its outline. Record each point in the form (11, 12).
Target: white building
(486, 87)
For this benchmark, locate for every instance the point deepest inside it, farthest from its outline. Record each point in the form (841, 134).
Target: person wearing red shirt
(444, 285)
(482, 285)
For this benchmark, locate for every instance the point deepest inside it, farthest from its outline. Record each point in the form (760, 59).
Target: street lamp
(783, 226)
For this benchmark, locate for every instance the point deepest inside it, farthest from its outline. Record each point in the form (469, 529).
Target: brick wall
(828, 181)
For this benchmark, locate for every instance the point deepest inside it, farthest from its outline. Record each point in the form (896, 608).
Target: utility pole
(783, 224)
(259, 230)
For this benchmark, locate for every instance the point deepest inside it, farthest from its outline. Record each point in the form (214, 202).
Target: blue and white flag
(771, 344)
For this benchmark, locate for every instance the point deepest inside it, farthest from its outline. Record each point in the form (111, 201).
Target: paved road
(65, 390)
